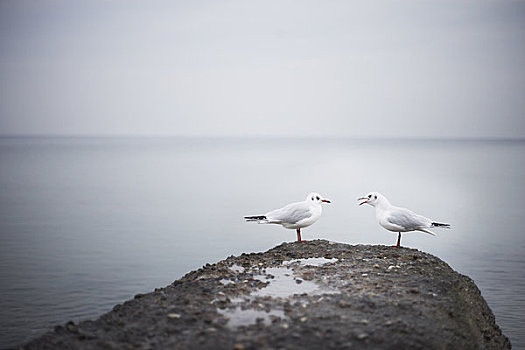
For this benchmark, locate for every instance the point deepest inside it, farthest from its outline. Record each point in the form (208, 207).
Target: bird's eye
(375, 197)
(317, 197)
(369, 196)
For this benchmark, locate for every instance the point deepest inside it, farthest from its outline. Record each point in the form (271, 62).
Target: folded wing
(290, 214)
(407, 220)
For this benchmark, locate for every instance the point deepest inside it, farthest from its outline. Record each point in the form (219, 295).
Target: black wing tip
(438, 224)
(255, 217)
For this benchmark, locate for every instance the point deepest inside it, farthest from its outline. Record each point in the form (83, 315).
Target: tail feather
(255, 218)
(437, 224)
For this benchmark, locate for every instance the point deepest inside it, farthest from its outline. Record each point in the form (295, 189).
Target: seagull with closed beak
(294, 215)
(397, 219)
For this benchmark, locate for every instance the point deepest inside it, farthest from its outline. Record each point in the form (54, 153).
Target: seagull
(294, 215)
(398, 219)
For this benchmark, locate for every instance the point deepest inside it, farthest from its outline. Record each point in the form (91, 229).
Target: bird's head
(316, 198)
(373, 198)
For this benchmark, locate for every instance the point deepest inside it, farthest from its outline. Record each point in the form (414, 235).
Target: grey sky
(341, 68)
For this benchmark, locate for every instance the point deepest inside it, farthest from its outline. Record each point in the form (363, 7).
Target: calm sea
(87, 223)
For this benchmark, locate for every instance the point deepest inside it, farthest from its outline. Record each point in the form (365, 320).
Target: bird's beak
(325, 200)
(362, 198)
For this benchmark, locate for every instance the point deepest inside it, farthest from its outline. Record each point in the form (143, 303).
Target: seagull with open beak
(397, 219)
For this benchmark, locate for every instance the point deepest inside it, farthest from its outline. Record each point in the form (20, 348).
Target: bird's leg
(398, 240)
(299, 235)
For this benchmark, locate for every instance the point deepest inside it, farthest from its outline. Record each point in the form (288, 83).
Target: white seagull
(398, 219)
(294, 215)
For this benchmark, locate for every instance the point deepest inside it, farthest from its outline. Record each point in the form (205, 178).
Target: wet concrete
(300, 296)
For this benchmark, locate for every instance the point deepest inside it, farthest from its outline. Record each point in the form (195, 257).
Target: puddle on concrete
(285, 284)
(238, 317)
(282, 282)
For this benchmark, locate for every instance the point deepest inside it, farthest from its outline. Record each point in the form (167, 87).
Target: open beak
(325, 200)
(361, 199)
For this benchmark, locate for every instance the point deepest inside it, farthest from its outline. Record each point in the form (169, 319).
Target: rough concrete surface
(315, 295)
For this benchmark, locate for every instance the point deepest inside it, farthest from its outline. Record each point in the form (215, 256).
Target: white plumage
(398, 219)
(295, 215)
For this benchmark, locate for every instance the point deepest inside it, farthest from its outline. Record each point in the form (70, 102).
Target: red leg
(299, 235)
(398, 240)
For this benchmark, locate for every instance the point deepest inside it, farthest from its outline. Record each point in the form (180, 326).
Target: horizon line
(290, 137)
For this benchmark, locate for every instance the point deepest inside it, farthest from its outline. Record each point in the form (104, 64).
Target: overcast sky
(325, 68)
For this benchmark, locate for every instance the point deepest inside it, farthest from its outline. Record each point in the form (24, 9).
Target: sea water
(87, 223)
